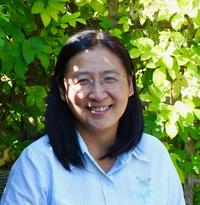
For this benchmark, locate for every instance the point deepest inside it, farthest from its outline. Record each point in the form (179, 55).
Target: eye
(110, 79)
(83, 82)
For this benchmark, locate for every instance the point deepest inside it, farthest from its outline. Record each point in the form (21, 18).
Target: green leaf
(157, 53)
(20, 68)
(116, 32)
(176, 89)
(35, 95)
(81, 20)
(181, 108)
(145, 56)
(168, 61)
(173, 116)
(123, 20)
(105, 22)
(2, 43)
(54, 30)
(159, 77)
(135, 53)
(150, 64)
(197, 113)
(183, 3)
(183, 81)
(183, 131)
(197, 19)
(153, 106)
(171, 129)
(46, 19)
(7, 66)
(37, 8)
(30, 101)
(28, 52)
(126, 27)
(177, 21)
(64, 26)
(44, 59)
(156, 94)
(72, 23)
(182, 60)
(66, 18)
(144, 44)
(174, 158)
(58, 6)
(174, 71)
(98, 6)
(52, 12)
(197, 146)
(164, 112)
(190, 118)
(76, 15)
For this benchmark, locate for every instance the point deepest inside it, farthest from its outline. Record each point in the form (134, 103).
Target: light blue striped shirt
(143, 176)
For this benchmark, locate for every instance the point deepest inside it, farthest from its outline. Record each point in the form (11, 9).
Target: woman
(95, 151)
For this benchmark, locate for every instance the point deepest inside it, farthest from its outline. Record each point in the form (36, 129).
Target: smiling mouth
(99, 109)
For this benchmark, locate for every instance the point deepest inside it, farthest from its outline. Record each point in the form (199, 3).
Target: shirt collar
(83, 147)
(140, 152)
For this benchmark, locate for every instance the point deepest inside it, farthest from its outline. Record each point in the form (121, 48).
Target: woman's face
(100, 107)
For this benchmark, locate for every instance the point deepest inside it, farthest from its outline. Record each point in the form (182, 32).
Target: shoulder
(30, 174)
(40, 144)
(148, 140)
(38, 147)
(152, 147)
(37, 153)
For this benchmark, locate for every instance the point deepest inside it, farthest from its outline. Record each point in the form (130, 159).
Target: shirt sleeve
(25, 185)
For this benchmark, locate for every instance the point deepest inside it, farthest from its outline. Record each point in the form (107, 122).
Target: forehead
(95, 60)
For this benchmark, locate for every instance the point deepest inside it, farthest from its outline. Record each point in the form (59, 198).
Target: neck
(98, 142)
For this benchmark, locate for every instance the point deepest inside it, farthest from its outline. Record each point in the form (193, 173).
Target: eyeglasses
(108, 82)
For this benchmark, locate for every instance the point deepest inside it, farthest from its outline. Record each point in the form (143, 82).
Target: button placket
(109, 191)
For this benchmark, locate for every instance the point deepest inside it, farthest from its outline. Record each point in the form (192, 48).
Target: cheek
(75, 99)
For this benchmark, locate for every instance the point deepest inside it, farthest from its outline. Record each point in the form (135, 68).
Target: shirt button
(107, 182)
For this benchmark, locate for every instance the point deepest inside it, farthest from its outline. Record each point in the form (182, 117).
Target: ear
(63, 91)
(130, 85)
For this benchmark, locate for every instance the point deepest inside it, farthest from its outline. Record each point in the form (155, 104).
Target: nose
(98, 93)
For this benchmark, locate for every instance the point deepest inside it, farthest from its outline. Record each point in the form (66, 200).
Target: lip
(99, 110)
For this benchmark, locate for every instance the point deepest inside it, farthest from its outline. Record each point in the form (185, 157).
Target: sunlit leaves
(197, 20)
(159, 77)
(171, 129)
(144, 46)
(176, 158)
(46, 18)
(35, 96)
(163, 39)
(98, 6)
(38, 7)
(3, 15)
(53, 10)
(177, 21)
(71, 19)
(126, 23)
(36, 47)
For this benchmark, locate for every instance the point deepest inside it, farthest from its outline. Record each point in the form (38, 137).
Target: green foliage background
(163, 38)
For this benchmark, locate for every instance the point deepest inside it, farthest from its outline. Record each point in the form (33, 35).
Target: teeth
(99, 109)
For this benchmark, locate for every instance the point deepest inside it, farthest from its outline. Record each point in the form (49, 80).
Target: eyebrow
(79, 73)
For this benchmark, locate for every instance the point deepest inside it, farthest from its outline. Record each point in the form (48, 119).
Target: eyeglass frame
(92, 83)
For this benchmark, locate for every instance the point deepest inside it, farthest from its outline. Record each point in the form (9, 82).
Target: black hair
(60, 122)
